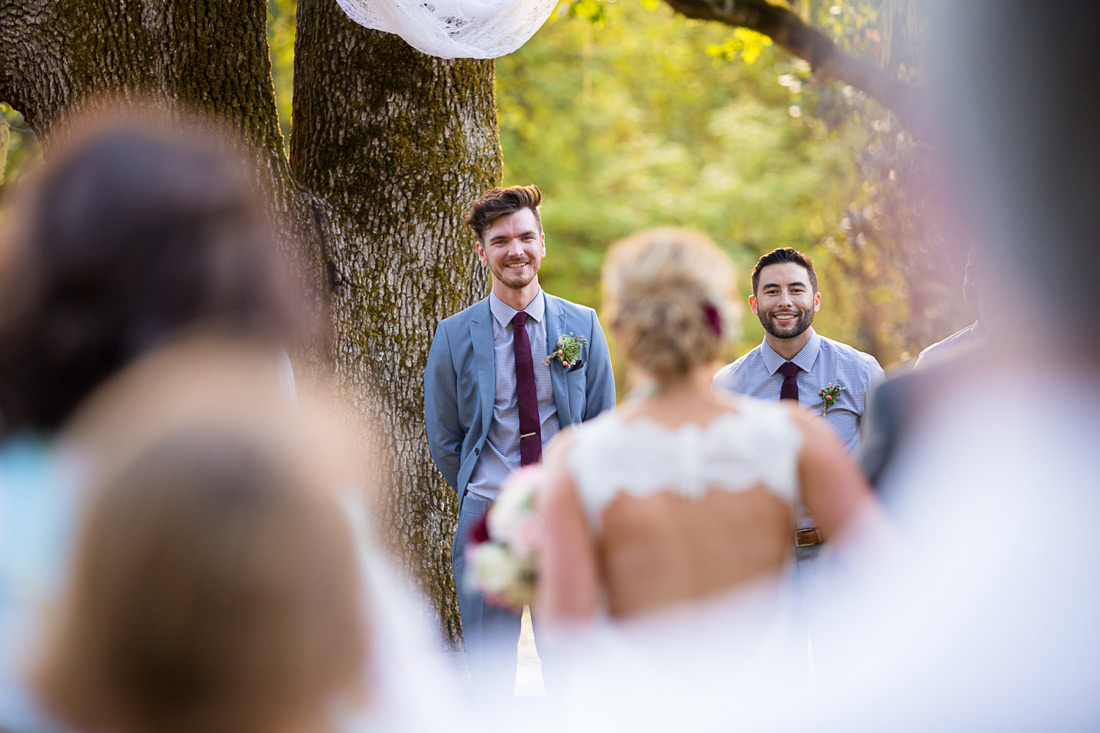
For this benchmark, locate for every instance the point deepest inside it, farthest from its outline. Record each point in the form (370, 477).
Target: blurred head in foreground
(668, 295)
(1022, 156)
(136, 230)
(215, 584)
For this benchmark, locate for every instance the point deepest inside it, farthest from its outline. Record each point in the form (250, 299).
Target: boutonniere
(828, 396)
(568, 351)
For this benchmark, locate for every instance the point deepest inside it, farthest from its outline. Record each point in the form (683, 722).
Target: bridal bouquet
(501, 554)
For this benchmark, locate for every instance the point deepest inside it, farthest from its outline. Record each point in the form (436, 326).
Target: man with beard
(496, 392)
(795, 362)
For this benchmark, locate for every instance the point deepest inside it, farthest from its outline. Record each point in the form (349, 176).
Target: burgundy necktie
(789, 390)
(530, 431)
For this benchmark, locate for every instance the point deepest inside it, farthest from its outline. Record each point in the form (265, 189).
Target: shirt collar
(504, 313)
(804, 359)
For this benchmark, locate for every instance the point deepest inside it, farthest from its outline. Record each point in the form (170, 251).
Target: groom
(491, 404)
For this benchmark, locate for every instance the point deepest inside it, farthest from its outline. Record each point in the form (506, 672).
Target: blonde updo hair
(667, 292)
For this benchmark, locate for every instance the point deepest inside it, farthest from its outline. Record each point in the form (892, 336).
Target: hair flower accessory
(568, 350)
(503, 549)
(828, 396)
(714, 318)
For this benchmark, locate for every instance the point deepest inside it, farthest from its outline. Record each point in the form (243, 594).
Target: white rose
(491, 568)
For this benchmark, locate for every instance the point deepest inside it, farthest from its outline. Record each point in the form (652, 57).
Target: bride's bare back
(664, 549)
(682, 498)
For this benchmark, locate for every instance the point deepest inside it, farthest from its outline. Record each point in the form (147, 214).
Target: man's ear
(481, 253)
(817, 302)
(752, 304)
(542, 237)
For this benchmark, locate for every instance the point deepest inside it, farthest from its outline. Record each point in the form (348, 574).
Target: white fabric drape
(479, 29)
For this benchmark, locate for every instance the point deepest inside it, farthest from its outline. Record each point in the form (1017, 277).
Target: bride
(669, 523)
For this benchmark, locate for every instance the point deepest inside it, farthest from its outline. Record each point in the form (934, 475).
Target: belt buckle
(807, 537)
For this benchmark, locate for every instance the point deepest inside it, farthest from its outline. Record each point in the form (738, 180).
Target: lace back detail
(735, 452)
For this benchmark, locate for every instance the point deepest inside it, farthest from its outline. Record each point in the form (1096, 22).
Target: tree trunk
(389, 147)
(394, 145)
(57, 55)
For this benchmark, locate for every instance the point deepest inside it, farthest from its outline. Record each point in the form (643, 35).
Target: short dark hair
(135, 232)
(779, 256)
(499, 202)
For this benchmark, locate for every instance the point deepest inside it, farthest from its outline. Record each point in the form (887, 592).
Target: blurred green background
(629, 116)
(632, 123)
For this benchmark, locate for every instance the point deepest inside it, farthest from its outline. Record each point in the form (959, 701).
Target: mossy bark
(389, 147)
(395, 144)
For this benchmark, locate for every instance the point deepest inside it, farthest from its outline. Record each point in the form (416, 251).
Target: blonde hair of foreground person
(664, 549)
(215, 583)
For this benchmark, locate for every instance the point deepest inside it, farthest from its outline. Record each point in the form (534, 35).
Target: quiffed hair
(779, 256)
(667, 291)
(499, 202)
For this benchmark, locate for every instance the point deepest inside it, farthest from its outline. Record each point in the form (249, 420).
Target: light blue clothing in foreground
(37, 508)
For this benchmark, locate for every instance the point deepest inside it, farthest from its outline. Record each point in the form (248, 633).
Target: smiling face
(785, 301)
(512, 247)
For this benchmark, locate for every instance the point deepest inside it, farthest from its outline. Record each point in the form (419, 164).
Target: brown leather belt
(808, 537)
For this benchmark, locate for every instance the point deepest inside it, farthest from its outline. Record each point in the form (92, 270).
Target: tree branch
(826, 59)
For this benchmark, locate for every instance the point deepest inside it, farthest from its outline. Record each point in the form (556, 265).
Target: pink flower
(829, 397)
(565, 364)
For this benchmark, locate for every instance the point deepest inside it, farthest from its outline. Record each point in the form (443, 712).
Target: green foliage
(594, 11)
(626, 126)
(743, 44)
(853, 25)
(634, 125)
(5, 145)
(18, 146)
(281, 16)
(904, 280)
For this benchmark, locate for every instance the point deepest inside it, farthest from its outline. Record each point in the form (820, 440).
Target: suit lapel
(481, 335)
(555, 327)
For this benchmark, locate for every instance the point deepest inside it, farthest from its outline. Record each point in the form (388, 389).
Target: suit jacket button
(477, 451)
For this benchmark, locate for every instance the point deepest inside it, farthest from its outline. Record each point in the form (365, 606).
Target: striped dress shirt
(822, 362)
(500, 454)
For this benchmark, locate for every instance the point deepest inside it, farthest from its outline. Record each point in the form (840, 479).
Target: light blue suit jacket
(460, 382)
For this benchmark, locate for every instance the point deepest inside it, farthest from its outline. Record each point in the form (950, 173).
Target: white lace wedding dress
(696, 659)
(756, 446)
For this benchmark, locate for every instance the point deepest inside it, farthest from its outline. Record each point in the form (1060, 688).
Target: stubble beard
(797, 327)
(512, 282)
